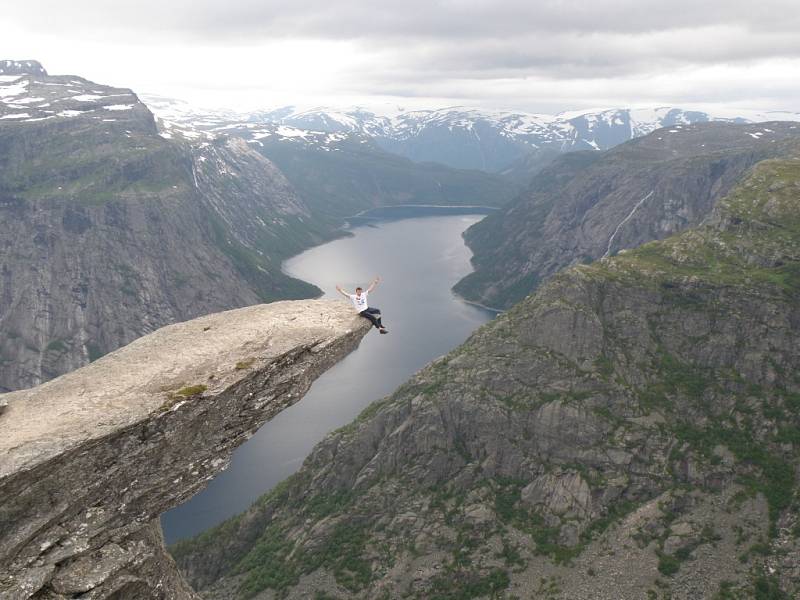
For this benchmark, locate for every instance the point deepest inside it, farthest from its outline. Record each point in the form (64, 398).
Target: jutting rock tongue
(92, 458)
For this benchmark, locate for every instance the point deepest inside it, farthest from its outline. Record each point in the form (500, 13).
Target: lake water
(419, 260)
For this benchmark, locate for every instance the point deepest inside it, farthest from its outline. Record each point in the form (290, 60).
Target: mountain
(642, 410)
(586, 205)
(338, 173)
(109, 231)
(518, 142)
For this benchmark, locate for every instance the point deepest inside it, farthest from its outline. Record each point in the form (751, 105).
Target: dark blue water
(419, 259)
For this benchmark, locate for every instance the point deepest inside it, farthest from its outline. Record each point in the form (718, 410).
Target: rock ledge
(88, 461)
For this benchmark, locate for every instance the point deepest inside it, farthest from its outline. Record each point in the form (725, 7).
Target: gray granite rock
(88, 461)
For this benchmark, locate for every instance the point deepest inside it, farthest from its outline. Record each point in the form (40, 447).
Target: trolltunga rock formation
(88, 461)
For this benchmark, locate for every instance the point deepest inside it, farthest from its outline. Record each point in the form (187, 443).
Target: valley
(168, 314)
(424, 319)
(641, 408)
(112, 226)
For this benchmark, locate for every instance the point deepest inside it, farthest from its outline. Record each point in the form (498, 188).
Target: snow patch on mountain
(21, 67)
(457, 136)
(14, 88)
(28, 94)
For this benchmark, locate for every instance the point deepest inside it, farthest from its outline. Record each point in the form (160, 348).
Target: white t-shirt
(360, 302)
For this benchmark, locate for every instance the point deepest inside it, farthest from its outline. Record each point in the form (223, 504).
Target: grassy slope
(87, 162)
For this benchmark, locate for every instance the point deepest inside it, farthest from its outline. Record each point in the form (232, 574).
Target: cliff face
(109, 231)
(89, 460)
(643, 410)
(589, 205)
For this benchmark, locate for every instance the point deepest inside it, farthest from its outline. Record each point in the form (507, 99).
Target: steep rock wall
(109, 230)
(585, 206)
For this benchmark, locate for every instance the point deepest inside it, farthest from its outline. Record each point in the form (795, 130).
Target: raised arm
(342, 292)
(375, 282)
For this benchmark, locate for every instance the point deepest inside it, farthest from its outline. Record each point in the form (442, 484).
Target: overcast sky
(532, 55)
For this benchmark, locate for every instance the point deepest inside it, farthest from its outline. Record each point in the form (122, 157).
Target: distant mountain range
(464, 138)
(337, 173)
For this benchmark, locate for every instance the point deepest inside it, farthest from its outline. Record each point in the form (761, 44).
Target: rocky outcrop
(643, 410)
(109, 231)
(588, 205)
(88, 461)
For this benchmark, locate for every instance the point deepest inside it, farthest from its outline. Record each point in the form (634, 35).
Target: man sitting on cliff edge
(359, 300)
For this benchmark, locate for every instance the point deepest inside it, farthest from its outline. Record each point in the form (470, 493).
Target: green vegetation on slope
(89, 162)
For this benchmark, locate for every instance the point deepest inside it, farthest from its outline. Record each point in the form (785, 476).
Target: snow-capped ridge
(28, 94)
(458, 136)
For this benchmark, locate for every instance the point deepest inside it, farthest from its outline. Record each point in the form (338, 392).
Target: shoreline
(497, 311)
(482, 207)
(396, 212)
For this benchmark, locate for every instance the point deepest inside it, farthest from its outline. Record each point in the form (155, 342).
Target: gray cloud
(452, 49)
(568, 55)
(411, 19)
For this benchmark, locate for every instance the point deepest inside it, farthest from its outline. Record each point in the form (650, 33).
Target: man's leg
(376, 312)
(368, 315)
(374, 315)
(381, 327)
